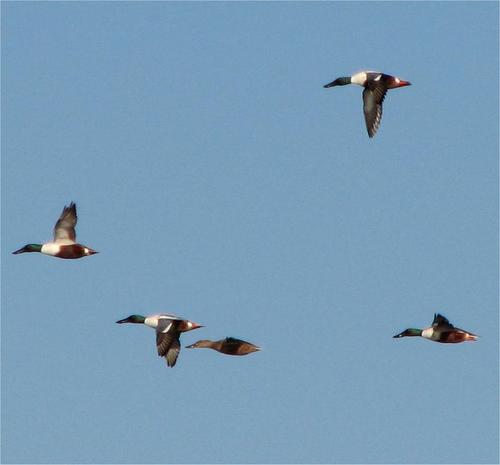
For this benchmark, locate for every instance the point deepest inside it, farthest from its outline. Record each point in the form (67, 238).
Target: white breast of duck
(152, 320)
(53, 248)
(50, 248)
(428, 332)
(361, 78)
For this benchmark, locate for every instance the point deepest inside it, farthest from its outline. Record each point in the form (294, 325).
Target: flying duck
(440, 331)
(64, 244)
(168, 331)
(228, 346)
(375, 87)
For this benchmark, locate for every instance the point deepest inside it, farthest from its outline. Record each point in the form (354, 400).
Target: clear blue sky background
(221, 182)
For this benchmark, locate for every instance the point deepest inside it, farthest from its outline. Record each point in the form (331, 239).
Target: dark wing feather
(440, 320)
(65, 226)
(173, 352)
(230, 345)
(233, 346)
(373, 98)
(167, 340)
(165, 334)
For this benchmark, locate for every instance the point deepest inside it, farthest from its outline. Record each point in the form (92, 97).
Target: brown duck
(228, 346)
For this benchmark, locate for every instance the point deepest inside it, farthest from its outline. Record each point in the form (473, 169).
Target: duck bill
(92, 252)
(196, 325)
(330, 84)
(22, 250)
(125, 320)
(192, 346)
(398, 335)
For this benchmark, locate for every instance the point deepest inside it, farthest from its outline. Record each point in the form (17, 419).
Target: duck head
(29, 248)
(341, 81)
(133, 319)
(409, 332)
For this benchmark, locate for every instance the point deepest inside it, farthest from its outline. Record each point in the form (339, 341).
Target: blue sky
(221, 182)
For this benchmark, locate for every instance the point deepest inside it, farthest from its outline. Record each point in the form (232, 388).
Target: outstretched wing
(167, 340)
(64, 230)
(373, 98)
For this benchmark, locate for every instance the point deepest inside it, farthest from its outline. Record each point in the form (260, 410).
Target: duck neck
(32, 248)
(341, 81)
(413, 332)
(139, 319)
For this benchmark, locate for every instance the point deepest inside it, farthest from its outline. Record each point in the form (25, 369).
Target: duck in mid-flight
(440, 331)
(168, 330)
(375, 86)
(64, 244)
(228, 346)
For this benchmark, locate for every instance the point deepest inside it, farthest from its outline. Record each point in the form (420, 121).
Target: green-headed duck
(168, 330)
(440, 331)
(375, 85)
(64, 244)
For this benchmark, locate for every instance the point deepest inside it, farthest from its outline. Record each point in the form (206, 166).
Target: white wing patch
(167, 328)
(152, 320)
(168, 315)
(378, 119)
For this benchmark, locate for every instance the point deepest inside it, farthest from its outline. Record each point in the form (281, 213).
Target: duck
(168, 330)
(64, 244)
(375, 85)
(228, 346)
(440, 331)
